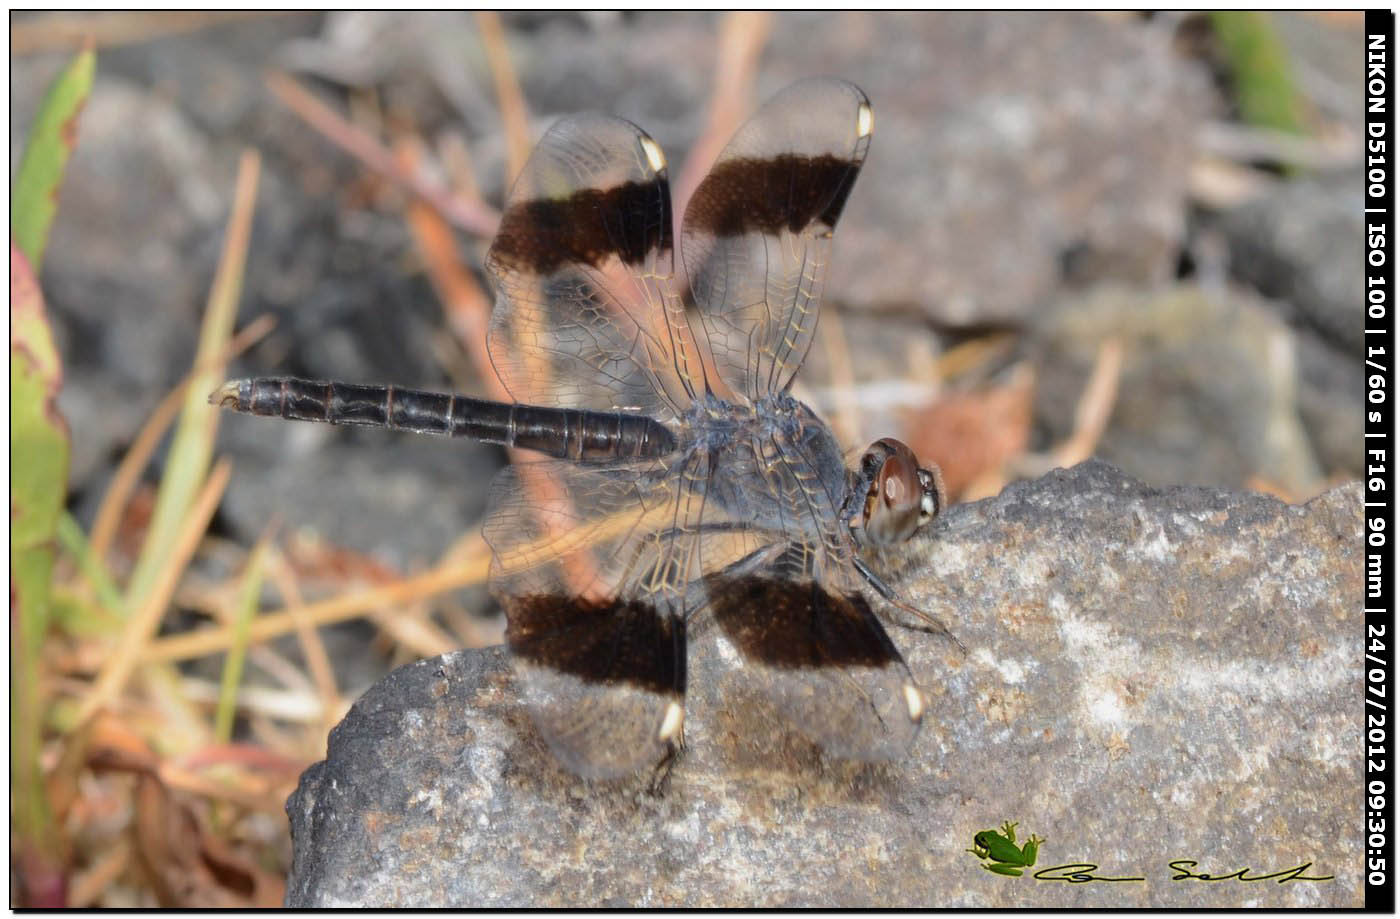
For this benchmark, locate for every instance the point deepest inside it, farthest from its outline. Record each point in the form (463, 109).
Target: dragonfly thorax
(782, 465)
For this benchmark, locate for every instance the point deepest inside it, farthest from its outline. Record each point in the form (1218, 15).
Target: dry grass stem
(337, 609)
(1095, 406)
(515, 117)
(144, 621)
(742, 37)
(112, 28)
(845, 415)
(283, 704)
(312, 648)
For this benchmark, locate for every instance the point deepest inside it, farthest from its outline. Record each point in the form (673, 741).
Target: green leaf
(38, 443)
(34, 193)
(38, 479)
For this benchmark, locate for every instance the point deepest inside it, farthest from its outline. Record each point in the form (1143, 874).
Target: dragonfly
(683, 485)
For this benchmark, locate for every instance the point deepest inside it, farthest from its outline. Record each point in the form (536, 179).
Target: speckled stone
(1150, 675)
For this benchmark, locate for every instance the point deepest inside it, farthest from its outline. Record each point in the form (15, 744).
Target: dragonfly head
(900, 497)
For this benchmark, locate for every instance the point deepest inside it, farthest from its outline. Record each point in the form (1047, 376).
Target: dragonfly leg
(931, 623)
(661, 774)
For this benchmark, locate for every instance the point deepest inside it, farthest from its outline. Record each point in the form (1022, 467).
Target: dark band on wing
(797, 624)
(587, 227)
(768, 195)
(607, 642)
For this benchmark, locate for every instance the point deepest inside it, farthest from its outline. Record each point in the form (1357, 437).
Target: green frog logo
(1001, 853)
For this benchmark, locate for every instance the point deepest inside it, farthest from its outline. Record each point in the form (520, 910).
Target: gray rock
(1303, 244)
(1208, 393)
(399, 497)
(1331, 387)
(1150, 675)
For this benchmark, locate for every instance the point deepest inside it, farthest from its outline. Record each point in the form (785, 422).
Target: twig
(288, 674)
(1095, 406)
(846, 415)
(472, 216)
(278, 703)
(462, 569)
(973, 353)
(410, 628)
(247, 756)
(104, 527)
(317, 660)
(1220, 184)
(245, 607)
(86, 886)
(468, 310)
(1248, 143)
(109, 29)
(265, 801)
(514, 114)
(456, 158)
(1091, 418)
(469, 630)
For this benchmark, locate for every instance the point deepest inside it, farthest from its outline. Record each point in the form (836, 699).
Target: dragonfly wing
(796, 616)
(820, 653)
(585, 315)
(591, 566)
(757, 232)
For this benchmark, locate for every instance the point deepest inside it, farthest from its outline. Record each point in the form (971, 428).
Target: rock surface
(1150, 675)
(1301, 244)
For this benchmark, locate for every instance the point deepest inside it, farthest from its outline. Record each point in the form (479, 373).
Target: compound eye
(899, 488)
(894, 506)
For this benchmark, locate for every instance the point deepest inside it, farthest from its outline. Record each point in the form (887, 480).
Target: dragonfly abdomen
(564, 433)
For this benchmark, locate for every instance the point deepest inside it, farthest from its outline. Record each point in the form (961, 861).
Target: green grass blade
(34, 193)
(38, 481)
(75, 543)
(192, 446)
(248, 594)
(1263, 81)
